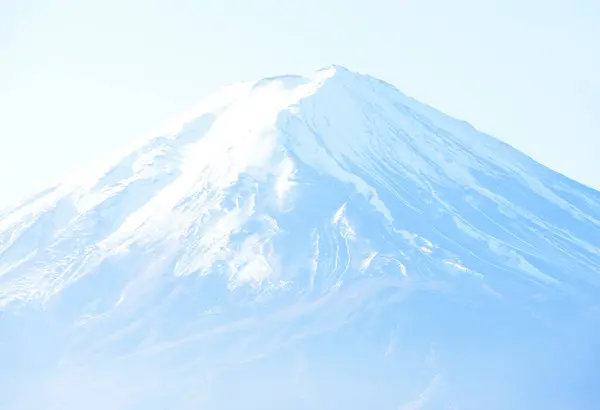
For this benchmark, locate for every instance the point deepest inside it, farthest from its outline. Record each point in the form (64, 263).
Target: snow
(311, 215)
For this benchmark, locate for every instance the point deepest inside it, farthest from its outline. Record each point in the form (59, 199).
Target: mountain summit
(305, 242)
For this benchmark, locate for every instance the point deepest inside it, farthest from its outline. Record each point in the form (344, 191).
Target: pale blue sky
(81, 78)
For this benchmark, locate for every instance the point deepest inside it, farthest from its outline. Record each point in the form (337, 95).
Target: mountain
(305, 242)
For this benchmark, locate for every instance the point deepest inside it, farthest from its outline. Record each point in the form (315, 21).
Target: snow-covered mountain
(305, 242)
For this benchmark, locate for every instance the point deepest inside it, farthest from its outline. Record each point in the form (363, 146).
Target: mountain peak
(310, 83)
(338, 69)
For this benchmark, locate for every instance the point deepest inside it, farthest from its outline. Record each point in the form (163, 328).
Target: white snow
(333, 120)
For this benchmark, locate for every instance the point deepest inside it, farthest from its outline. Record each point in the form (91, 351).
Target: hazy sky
(81, 78)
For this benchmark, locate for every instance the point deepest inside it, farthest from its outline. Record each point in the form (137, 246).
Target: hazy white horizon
(80, 81)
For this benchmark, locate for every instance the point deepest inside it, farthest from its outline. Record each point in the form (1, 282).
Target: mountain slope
(305, 242)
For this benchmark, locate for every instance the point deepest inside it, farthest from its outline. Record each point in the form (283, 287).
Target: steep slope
(305, 242)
